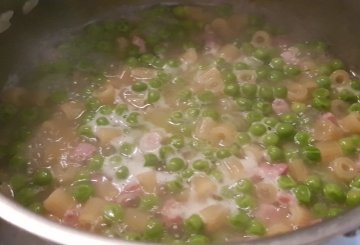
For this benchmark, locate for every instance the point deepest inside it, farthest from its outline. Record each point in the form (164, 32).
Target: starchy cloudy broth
(184, 125)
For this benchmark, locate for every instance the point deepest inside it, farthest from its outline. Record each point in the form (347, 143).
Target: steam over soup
(184, 125)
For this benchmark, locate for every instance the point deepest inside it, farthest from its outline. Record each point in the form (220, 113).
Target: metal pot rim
(42, 227)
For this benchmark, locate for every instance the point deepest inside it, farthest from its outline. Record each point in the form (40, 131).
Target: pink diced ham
(83, 152)
(150, 141)
(71, 217)
(130, 195)
(171, 213)
(281, 41)
(285, 198)
(280, 106)
(330, 117)
(272, 171)
(290, 56)
(211, 41)
(140, 43)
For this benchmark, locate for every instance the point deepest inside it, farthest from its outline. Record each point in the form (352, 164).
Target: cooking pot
(28, 41)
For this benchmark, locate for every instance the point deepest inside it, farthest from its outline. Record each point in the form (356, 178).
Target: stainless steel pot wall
(30, 36)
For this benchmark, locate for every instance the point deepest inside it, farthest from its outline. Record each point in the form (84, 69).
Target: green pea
(240, 220)
(314, 183)
(151, 160)
(263, 54)
(86, 131)
(198, 240)
(122, 172)
(105, 110)
(262, 73)
(126, 149)
(223, 153)
(175, 164)
(290, 117)
(271, 139)
(229, 77)
(247, 48)
(334, 192)
(264, 107)
(241, 66)
(280, 92)
(174, 186)
(355, 108)
(26, 196)
(96, 162)
(322, 104)
(43, 177)
(153, 96)
(286, 182)
(37, 207)
(115, 160)
(187, 173)
(277, 63)
(207, 97)
(177, 141)
(217, 174)
(149, 201)
(211, 113)
(291, 70)
(133, 118)
(248, 90)
(165, 152)
(298, 107)
(201, 165)
(355, 84)
(348, 96)
(321, 93)
(270, 121)
(83, 191)
(285, 130)
(192, 113)
(243, 138)
(325, 70)
(347, 145)
(333, 212)
(276, 76)
(92, 104)
(243, 186)
(302, 138)
(257, 129)
(113, 213)
(266, 93)
(17, 163)
(121, 109)
(245, 202)
(275, 153)
(244, 104)
(18, 181)
(323, 82)
(194, 224)
(232, 89)
(154, 231)
(133, 236)
(139, 87)
(320, 210)
(102, 121)
(303, 194)
(311, 153)
(256, 228)
(355, 183)
(337, 64)
(254, 116)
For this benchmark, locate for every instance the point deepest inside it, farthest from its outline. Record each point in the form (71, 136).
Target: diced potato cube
(298, 170)
(203, 186)
(106, 190)
(148, 181)
(72, 110)
(92, 211)
(299, 216)
(233, 168)
(136, 219)
(59, 202)
(106, 135)
(214, 217)
(67, 175)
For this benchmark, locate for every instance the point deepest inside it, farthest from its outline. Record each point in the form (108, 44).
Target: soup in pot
(184, 124)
